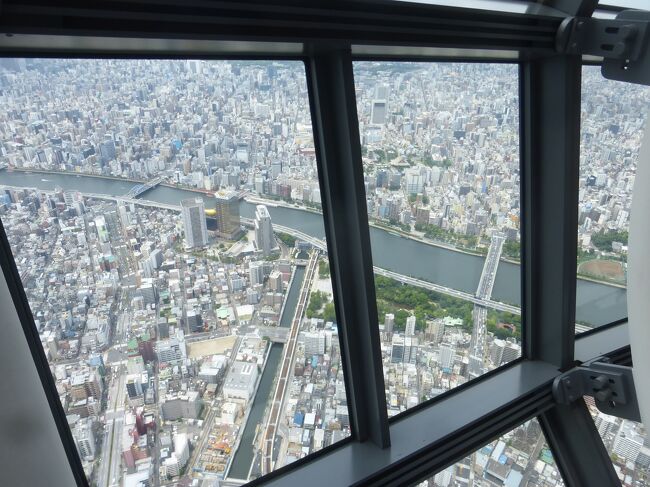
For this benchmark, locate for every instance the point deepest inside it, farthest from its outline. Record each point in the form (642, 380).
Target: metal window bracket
(623, 43)
(612, 387)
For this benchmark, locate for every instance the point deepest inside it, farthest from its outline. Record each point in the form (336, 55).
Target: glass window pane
(519, 458)
(612, 124)
(633, 4)
(164, 219)
(440, 146)
(628, 446)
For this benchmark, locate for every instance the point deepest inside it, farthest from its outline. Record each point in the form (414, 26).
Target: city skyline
(193, 334)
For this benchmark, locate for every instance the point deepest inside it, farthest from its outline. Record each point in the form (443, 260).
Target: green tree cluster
(286, 239)
(317, 300)
(323, 268)
(495, 317)
(329, 312)
(320, 307)
(401, 226)
(403, 300)
(603, 241)
(512, 249)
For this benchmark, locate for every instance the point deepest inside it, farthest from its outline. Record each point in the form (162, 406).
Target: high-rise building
(84, 438)
(397, 350)
(256, 273)
(435, 331)
(404, 350)
(172, 350)
(510, 352)
(379, 109)
(196, 230)
(446, 356)
(227, 214)
(178, 459)
(135, 389)
(389, 323)
(275, 282)
(628, 442)
(314, 343)
(194, 321)
(410, 326)
(264, 239)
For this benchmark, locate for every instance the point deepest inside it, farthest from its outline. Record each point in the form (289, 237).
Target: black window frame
(418, 442)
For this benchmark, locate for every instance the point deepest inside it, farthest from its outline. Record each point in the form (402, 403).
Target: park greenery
(286, 239)
(512, 249)
(495, 318)
(414, 197)
(603, 240)
(434, 232)
(320, 306)
(404, 300)
(323, 269)
(402, 226)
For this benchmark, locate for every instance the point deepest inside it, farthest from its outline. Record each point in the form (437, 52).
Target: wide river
(597, 304)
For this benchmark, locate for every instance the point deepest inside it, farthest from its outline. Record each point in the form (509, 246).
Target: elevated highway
(477, 350)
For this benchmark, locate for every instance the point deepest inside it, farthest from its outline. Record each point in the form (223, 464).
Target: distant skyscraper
(410, 326)
(435, 331)
(256, 273)
(227, 214)
(378, 114)
(397, 350)
(107, 150)
(389, 323)
(264, 239)
(404, 350)
(196, 230)
(379, 106)
(446, 356)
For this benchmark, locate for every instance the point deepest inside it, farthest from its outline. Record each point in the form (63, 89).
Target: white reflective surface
(638, 293)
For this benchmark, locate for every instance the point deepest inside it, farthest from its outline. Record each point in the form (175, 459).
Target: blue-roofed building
(298, 418)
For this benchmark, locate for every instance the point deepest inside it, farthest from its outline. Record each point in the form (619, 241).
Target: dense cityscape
(189, 324)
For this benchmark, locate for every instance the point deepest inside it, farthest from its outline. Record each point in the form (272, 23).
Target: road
(488, 276)
(479, 315)
(275, 414)
(488, 303)
(109, 466)
(532, 460)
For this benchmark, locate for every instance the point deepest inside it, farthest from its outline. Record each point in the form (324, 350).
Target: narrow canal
(245, 454)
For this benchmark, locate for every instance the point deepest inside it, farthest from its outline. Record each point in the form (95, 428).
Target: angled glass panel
(440, 149)
(633, 4)
(519, 6)
(612, 124)
(164, 219)
(520, 458)
(628, 445)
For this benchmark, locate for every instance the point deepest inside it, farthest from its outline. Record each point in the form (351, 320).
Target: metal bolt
(603, 395)
(599, 382)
